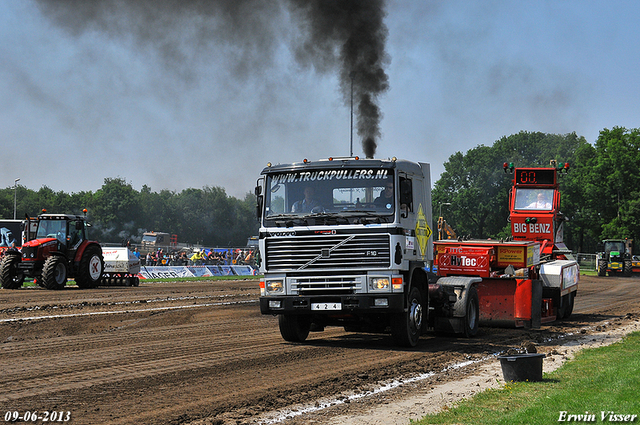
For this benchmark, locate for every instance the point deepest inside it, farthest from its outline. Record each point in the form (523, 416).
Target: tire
(406, 327)
(91, 268)
(602, 267)
(472, 316)
(294, 328)
(566, 306)
(627, 268)
(10, 276)
(54, 273)
(572, 297)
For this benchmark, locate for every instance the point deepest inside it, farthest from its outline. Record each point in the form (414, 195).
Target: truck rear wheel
(294, 328)
(91, 268)
(54, 273)
(10, 275)
(472, 317)
(406, 327)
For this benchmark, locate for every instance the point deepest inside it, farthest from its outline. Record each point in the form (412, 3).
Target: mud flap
(536, 304)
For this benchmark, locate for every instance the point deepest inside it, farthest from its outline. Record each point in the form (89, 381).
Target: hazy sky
(175, 100)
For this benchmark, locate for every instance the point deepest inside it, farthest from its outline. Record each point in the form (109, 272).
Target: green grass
(598, 380)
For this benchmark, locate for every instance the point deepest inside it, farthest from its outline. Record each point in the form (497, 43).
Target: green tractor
(614, 257)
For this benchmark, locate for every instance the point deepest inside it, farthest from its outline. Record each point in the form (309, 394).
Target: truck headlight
(379, 283)
(274, 286)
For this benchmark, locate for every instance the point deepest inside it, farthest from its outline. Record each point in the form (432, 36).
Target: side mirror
(259, 202)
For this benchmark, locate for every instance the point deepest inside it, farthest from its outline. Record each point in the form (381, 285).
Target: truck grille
(307, 253)
(334, 285)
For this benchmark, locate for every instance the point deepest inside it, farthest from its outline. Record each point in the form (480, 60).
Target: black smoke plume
(352, 35)
(347, 36)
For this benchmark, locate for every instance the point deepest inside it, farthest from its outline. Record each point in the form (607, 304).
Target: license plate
(326, 306)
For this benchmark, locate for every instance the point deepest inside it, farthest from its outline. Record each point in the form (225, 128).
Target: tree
(612, 180)
(477, 187)
(115, 210)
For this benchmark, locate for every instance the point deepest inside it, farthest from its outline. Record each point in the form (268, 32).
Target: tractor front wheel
(54, 273)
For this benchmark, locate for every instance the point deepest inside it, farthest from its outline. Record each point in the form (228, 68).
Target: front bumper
(350, 304)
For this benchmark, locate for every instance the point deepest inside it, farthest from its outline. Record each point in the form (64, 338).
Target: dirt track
(202, 353)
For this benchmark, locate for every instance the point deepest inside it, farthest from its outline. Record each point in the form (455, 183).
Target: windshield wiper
(369, 216)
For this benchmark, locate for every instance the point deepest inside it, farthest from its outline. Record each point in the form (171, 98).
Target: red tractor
(59, 251)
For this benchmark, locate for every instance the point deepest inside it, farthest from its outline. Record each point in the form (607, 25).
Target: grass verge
(599, 381)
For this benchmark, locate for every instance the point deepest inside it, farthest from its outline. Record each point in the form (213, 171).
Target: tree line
(118, 212)
(600, 195)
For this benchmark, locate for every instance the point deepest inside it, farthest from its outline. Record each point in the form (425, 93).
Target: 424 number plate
(326, 306)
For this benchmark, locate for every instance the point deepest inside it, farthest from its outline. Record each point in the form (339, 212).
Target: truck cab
(344, 242)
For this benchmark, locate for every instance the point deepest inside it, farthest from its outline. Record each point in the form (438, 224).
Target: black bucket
(522, 367)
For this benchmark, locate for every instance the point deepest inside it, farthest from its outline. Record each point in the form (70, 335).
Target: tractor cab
(534, 205)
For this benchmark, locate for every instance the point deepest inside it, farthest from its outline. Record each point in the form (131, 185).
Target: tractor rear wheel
(54, 273)
(91, 268)
(10, 276)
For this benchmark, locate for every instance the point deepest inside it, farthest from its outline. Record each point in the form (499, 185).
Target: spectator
(211, 257)
(197, 258)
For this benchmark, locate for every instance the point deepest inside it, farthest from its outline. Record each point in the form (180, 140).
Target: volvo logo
(284, 233)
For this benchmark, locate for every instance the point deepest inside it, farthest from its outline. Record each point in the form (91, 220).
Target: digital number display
(535, 176)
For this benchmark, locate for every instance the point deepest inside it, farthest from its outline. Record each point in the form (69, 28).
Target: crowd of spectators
(198, 257)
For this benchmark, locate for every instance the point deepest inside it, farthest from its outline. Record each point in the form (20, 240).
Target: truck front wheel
(294, 328)
(10, 275)
(602, 267)
(54, 273)
(406, 327)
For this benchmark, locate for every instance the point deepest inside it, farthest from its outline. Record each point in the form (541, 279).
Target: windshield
(615, 246)
(51, 229)
(534, 199)
(339, 193)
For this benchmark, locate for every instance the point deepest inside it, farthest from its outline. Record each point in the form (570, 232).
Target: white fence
(168, 272)
(586, 261)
